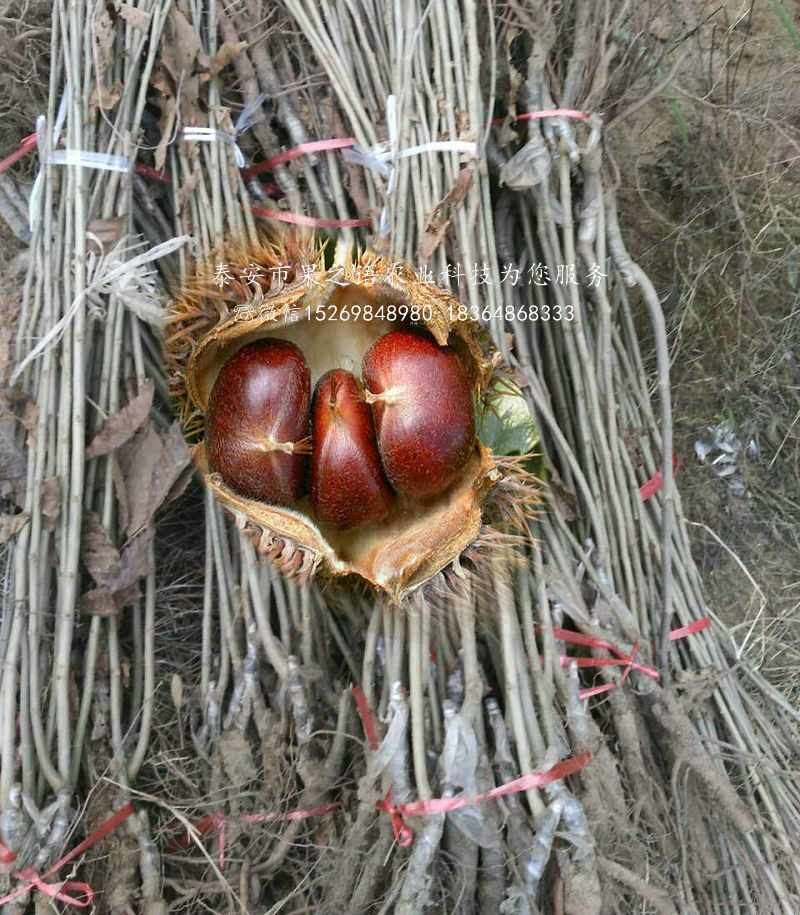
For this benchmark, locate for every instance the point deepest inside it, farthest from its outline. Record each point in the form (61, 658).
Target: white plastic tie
(211, 135)
(100, 161)
(383, 157)
(111, 275)
(250, 114)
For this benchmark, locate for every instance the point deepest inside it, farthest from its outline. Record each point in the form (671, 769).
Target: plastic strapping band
(247, 116)
(620, 658)
(545, 113)
(314, 222)
(95, 160)
(295, 152)
(216, 822)
(384, 156)
(653, 485)
(211, 135)
(59, 891)
(403, 833)
(26, 144)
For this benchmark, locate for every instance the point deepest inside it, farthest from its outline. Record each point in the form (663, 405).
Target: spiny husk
(207, 327)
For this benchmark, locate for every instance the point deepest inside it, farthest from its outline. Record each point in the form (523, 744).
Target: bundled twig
(221, 695)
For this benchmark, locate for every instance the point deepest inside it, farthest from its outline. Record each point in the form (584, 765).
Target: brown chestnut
(348, 487)
(257, 421)
(422, 408)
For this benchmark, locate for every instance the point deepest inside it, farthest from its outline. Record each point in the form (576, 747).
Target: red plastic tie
(302, 150)
(6, 855)
(524, 783)
(546, 113)
(313, 222)
(620, 659)
(60, 891)
(25, 146)
(365, 715)
(651, 487)
(216, 822)
(403, 833)
(690, 629)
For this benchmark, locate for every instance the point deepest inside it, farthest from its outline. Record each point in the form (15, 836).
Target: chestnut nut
(409, 429)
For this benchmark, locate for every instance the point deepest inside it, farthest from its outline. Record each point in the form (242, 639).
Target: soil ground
(709, 197)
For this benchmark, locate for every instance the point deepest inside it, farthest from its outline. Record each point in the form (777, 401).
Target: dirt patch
(709, 194)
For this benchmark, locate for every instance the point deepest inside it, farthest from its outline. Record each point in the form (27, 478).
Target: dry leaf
(105, 602)
(121, 427)
(103, 234)
(106, 97)
(438, 223)
(139, 19)
(134, 562)
(176, 690)
(103, 34)
(562, 495)
(51, 501)
(100, 556)
(10, 525)
(139, 461)
(30, 418)
(121, 493)
(166, 123)
(100, 602)
(188, 187)
(13, 466)
(180, 47)
(225, 55)
(152, 465)
(178, 488)
(190, 110)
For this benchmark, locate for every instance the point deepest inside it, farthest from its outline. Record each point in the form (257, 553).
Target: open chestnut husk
(448, 490)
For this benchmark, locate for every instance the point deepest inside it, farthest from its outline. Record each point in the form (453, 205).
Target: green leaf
(504, 421)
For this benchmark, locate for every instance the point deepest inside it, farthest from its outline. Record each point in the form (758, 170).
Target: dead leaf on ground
(116, 573)
(225, 55)
(188, 188)
(11, 525)
(100, 556)
(51, 501)
(120, 492)
(139, 19)
(166, 124)
(105, 602)
(122, 426)
(438, 223)
(134, 562)
(30, 419)
(152, 465)
(180, 47)
(103, 35)
(103, 234)
(106, 97)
